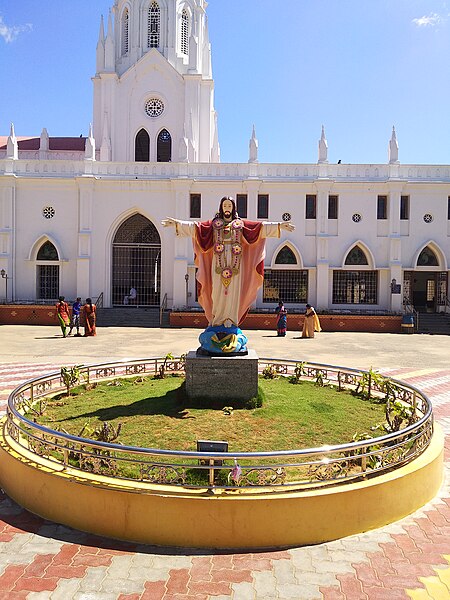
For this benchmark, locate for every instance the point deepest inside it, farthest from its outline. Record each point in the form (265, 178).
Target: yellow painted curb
(171, 516)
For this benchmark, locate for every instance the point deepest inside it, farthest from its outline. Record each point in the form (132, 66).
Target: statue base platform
(222, 378)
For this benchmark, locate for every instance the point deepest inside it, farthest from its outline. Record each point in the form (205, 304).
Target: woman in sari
(89, 311)
(62, 311)
(281, 319)
(311, 322)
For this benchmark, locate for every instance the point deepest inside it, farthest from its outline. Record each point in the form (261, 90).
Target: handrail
(410, 310)
(304, 467)
(99, 301)
(162, 308)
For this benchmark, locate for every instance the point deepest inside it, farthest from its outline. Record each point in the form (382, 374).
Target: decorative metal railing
(293, 469)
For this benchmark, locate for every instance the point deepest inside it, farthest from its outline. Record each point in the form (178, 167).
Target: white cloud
(10, 33)
(430, 20)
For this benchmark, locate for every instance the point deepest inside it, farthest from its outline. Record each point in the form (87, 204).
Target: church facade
(82, 216)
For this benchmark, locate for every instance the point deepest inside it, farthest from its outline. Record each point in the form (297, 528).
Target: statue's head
(227, 208)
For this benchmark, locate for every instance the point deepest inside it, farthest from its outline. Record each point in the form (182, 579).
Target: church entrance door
(136, 263)
(426, 290)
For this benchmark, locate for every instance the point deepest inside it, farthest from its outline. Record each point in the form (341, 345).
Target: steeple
(393, 148)
(253, 148)
(323, 147)
(89, 152)
(44, 144)
(12, 147)
(101, 48)
(153, 74)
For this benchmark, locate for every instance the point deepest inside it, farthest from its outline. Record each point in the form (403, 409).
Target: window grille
(47, 278)
(427, 258)
(142, 147)
(407, 278)
(125, 25)
(285, 257)
(442, 288)
(404, 208)
(431, 289)
(356, 257)
(153, 28)
(136, 262)
(195, 211)
(382, 207)
(185, 32)
(47, 252)
(164, 147)
(332, 207)
(263, 206)
(241, 205)
(355, 287)
(310, 206)
(290, 286)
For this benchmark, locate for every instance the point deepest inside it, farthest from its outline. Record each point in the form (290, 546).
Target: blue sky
(356, 66)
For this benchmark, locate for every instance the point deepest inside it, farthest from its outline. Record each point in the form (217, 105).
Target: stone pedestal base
(217, 377)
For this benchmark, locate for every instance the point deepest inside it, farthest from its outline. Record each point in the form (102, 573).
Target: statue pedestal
(222, 378)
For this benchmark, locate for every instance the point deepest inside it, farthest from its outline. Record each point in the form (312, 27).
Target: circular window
(154, 107)
(48, 212)
(286, 216)
(428, 218)
(356, 218)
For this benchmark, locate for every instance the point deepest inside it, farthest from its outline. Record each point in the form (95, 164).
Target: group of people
(310, 324)
(82, 315)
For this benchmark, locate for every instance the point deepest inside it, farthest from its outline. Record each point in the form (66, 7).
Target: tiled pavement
(409, 559)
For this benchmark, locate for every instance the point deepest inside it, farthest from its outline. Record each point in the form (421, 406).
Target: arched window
(142, 147)
(285, 257)
(164, 147)
(427, 258)
(356, 257)
(185, 33)
(153, 26)
(47, 252)
(47, 275)
(125, 28)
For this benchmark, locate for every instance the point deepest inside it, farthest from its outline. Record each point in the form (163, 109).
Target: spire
(109, 46)
(323, 147)
(101, 47)
(12, 147)
(43, 145)
(89, 152)
(105, 148)
(393, 148)
(183, 154)
(253, 148)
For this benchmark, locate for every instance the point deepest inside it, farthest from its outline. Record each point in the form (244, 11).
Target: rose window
(356, 218)
(286, 216)
(428, 218)
(154, 107)
(48, 212)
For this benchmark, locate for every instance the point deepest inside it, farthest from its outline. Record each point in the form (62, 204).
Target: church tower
(153, 87)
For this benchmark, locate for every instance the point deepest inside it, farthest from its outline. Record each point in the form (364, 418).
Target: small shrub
(269, 372)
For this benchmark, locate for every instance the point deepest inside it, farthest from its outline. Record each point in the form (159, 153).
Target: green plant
(107, 432)
(299, 371)
(320, 379)
(71, 376)
(397, 412)
(162, 369)
(367, 382)
(269, 372)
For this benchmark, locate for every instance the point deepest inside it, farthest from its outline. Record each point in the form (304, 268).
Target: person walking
(62, 312)
(76, 309)
(281, 320)
(90, 318)
(311, 322)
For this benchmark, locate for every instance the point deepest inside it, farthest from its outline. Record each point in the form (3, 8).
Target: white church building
(82, 216)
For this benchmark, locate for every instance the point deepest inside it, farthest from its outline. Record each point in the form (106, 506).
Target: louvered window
(185, 32)
(125, 23)
(154, 23)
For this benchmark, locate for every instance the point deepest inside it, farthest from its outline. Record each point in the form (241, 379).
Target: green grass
(156, 414)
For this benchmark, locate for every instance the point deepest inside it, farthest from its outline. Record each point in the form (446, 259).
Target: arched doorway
(136, 262)
(47, 272)
(426, 287)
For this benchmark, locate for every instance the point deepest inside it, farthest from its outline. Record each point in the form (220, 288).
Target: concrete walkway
(409, 559)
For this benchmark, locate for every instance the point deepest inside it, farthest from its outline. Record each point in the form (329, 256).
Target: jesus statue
(229, 255)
